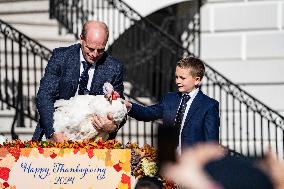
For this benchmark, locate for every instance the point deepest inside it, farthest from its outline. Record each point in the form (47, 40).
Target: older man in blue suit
(193, 113)
(66, 72)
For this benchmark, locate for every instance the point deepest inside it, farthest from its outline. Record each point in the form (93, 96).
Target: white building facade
(243, 40)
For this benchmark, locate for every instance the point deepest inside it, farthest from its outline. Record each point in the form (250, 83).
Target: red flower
(117, 167)
(100, 144)
(90, 153)
(53, 155)
(4, 173)
(40, 150)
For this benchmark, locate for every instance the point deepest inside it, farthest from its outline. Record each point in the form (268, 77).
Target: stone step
(6, 117)
(5, 1)
(24, 133)
(43, 32)
(36, 23)
(33, 18)
(55, 43)
(15, 7)
(47, 36)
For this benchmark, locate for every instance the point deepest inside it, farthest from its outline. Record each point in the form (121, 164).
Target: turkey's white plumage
(73, 116)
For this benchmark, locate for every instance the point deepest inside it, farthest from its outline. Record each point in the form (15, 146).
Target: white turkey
(73, 117)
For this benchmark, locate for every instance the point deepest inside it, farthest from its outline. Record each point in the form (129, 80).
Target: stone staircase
(31, 17)
(6, 117)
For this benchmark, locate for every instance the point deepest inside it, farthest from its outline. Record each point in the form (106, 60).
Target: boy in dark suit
(189, 110)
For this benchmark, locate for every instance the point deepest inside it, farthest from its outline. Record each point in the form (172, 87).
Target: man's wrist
(129, 108)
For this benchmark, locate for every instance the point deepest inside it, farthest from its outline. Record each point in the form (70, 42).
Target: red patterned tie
(181, 110)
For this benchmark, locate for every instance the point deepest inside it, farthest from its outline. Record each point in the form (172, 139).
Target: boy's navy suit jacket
(202, 120)
(61, 79)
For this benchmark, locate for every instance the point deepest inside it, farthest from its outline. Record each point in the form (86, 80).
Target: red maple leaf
(40, 150)
(16, 152)
(125, 179)
(117, 167)
(53, 155)
(4, 173)
(76, 150)
(90, 153)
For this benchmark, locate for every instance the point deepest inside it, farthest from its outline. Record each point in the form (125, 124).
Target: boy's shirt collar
(193, 93)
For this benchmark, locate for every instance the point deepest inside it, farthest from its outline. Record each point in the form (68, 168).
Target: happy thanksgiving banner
(55, 168)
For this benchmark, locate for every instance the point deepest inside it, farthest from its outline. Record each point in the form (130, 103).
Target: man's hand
(58, 137)
(105, 124)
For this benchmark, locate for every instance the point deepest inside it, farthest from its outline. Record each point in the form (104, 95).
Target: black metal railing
(149, 55)
(22, 62)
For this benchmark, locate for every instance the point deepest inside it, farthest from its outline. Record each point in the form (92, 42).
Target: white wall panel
(206, 12)
(260, 70)
(272, 96)
(282, 14)
(245, 16)
(266, 45)
(220, 46)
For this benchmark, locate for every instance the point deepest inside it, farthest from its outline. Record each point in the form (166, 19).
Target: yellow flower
(149, 168)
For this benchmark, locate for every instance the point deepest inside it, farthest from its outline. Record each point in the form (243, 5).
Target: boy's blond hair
(197, 68)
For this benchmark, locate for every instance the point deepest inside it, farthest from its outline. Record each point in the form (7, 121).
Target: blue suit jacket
(202, 120)
(61, 79)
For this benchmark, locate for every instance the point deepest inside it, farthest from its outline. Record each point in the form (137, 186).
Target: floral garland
(143, 159)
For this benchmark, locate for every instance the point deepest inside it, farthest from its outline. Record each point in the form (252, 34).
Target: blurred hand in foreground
(274, 168)
(189, 169)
